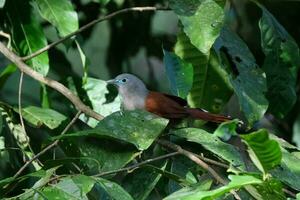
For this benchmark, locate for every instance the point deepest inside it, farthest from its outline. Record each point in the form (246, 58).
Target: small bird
(135, 95)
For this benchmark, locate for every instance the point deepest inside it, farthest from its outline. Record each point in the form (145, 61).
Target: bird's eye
(124, 80)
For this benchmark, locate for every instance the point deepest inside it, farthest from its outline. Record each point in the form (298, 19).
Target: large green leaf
(213, 144)
(180, 74)
(289, 170)
(101, 155)
(113, 190)
(2, 2)
(142, 181)
(281, 64)
(270, 189)
(235, 183)
(264, 152)
(42, 116)
(211, 88)
(136, 127)
(102, 103)
(60, 13)
(204, 25)
(245, 75)
(27, 34)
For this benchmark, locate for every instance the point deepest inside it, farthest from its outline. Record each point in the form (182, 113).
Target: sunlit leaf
(211, 88)
(204, 25)
(136, 127)
(236, 182)
(42, 116)
(264, 152)
(60, 13)
(27, 34)
(213, 144)
(102, 101)
(226, 130)
(2, 2)
(180, 74)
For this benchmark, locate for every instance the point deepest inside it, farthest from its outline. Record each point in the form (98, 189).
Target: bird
(135, 95)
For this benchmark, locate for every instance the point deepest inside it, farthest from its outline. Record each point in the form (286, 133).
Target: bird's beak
(112, 81)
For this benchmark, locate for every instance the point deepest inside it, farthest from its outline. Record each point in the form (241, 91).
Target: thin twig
(137, 165)
(289, 192)
(48, 147)
(198, 161)
(21, 118)
(109, 16)
(50, 82)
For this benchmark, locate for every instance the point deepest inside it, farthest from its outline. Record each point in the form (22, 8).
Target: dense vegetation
(62, 135)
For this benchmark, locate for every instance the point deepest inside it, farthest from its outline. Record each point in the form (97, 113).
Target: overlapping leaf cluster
(210, 64)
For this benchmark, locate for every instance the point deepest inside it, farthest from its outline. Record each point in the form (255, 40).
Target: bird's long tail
(206, 116)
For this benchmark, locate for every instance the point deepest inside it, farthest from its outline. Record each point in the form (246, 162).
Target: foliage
(211, 63)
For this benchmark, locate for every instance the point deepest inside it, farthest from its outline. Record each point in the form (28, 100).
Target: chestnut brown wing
(165, 106)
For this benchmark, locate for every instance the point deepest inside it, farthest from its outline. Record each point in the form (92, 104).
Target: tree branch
(137, 165)
(50, 82)
(126, 10)
(198, 161)
(50, 146)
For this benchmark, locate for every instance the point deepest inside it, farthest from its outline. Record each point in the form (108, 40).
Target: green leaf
(281, 64)
(27, 34)
(180, 74)
(204, 25)
(211, 88)
(235, 183)
(213, 144)
(289, 170)
(2, 2)
(245, 75)
(142, 181)
(113, 190)
(85, 183)
(271, 189)
(102, 102)
(110, 155)
(296, 131)
(5, 74)
(60, 13)
(85, 63)
(136, 127)
(264, 152)
(42, 116)
(226, 130)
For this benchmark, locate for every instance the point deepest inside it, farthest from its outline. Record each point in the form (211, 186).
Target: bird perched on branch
(135, 95)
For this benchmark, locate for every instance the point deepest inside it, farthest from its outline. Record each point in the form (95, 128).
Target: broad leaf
(180, 74)
(42, 116)
(197, 193)
(289, 170)
(226, 130)
(27, 34)
(102, 101)
(142, 181)
(60, 13)
(211, 88)
(281, 64)
(213, 144)
(264, 152)
(245, 75)
(101, 155)
(5, 74)
(204, 25)
(113, 190)
(136, 127)
(271, 189)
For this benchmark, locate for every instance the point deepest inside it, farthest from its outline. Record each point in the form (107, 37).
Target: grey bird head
(132, 90)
